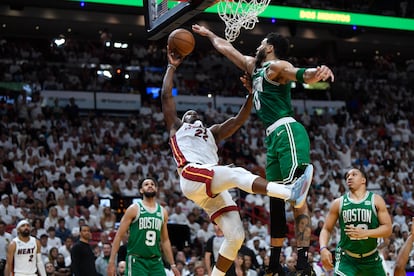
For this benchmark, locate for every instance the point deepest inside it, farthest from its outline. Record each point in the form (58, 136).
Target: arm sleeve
(40, 266)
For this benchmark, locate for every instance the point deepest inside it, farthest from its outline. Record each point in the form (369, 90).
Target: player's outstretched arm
(307, 75)
(404, 253)
(168, 104)
(245, 63)
(231, 125)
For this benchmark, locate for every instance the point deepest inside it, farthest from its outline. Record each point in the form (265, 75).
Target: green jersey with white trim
(272, 100)
(145, 232)
(361, 214)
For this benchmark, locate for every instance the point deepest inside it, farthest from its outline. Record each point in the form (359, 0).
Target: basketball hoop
(240, 13)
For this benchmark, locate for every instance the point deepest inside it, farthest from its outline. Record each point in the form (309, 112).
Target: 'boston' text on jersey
(357, 215)
(150, 223)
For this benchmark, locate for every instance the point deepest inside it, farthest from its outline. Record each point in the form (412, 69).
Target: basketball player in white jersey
(23, 255)
(202, 180)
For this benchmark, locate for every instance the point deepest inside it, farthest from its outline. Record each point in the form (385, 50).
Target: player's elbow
(388, 233)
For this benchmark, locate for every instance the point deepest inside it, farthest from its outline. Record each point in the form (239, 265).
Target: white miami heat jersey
(25, 257)
(194, 143)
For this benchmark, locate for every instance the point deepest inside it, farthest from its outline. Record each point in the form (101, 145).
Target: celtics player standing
(363, 218)
(146, 221)
(287, 142)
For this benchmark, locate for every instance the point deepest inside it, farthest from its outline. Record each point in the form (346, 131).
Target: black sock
(302, 262)
(274, 260)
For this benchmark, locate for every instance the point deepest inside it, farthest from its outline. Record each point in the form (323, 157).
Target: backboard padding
(160, 26)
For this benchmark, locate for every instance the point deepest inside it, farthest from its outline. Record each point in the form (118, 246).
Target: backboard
(164, 16)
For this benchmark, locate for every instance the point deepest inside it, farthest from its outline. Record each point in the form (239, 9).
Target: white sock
(278, 190)
(216, 272)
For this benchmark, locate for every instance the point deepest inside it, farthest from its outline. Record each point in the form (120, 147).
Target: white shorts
(208, 185)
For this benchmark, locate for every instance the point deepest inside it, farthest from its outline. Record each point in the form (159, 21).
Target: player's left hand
(174, 58)
(175, 271)
(247, 82)
(355, 232)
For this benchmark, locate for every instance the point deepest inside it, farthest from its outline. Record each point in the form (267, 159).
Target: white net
(240, 13)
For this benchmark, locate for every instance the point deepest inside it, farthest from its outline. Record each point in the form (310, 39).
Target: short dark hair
(82, 226)
(280, 44)
(147, 178)
(51, 228)
(364, 174)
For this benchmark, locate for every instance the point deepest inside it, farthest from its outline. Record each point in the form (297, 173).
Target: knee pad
(232, 227)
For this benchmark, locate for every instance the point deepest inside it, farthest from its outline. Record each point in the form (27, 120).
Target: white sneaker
(299, 189)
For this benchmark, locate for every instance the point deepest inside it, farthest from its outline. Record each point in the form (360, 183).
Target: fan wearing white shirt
(178, 216)
(72, 220)
(129, 190)
(62, 207)
(5, 239)
(7, 211)
(65, 250)
(52, 240)
(58, 191)
(91, 220)
(96, 208)
(127, 167)
(102, 190)
(44, 248)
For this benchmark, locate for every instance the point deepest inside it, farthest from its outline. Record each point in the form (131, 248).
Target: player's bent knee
(232, 243)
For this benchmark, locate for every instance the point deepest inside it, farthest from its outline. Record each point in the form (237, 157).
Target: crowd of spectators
(56, 164)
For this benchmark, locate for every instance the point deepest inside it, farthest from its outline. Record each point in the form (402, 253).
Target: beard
(260, 57)
(150, 194)
(25, 233)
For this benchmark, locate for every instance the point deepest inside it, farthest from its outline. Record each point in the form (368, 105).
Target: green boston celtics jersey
(272, 100)
(145, 232)
(360, 214)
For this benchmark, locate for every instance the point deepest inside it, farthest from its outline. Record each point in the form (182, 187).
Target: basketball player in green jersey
(363, 218)
(146, 221)
(288, 146)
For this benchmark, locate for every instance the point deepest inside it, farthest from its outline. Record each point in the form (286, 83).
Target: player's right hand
(326, 259)
(247, 82)
(111, 271)
(201, 30)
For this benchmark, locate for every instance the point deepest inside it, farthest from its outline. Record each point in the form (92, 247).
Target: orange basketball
(181, 41)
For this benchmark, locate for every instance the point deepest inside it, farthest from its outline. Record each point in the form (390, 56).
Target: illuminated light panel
(302, 14)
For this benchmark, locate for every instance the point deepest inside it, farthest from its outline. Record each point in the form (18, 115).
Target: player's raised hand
(247, 82)
(173, 58)
(323, 72)
(201, 30)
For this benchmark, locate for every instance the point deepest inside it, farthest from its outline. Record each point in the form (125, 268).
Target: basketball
(181, 41)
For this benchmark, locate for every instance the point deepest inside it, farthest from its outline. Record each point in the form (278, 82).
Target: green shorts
(346, 265)
(288, 149)
(144, 266)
